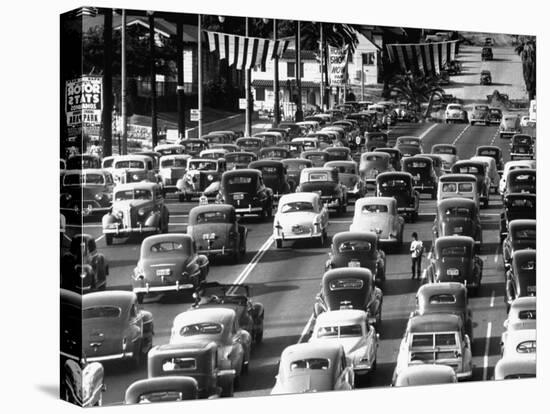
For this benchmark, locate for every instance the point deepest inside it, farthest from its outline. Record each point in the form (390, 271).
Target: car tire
(108, 239)
(472, 123)
(279, 243)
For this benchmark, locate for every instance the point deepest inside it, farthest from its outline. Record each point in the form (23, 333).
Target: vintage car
(226, 147)
(250, 144)
(350, 288)
(307, 143)
(193, 146)
(521, 276)
(246, 191)
(522, 314)
(133, 169)
(350, 177)
(293, 129)
(399, 185)
(85, 193)
(274, 153)
(339, 134)
(454, 260)
(480, 114)
(237, 297)
(162, 389)
(83, 162)
(495, 115)
(513, 165)
(171, 169)
(153, 156)
(201, 178)
(520, 343)
(485, 77)
(212, 153)
(215, 231)
(448, 154)
(425, 374)
(522, 234)
(458, 217)
(522, 147)
(169, 149)
(138, 208)
(294, 167)
(239, 160)
(82, 383)
(423, 173)
(317, 157)
(521, 180)
(526, 121)
(492, 151)
(375, 140)
(517, 206)
(455, 113)
(168, 262)
(83, 268)
(300, 215)
(480, 171)
(295, 148)
(372, 164)
(379, 215)
(458, 185)
(327, 181)
(435, 339)
(114, 327)
(349, 328)
(437, 164)
(218, 138)
(524, 366)
(492, 171)
(274, 176)
(509, 125)
(219, 325)
(271, 138)
(325, 138)
(313, 367)
(338, 153)
(196, 359)
(408, 150)
(486, 53)
(358, 249)
(395, 157)
(445, 297)
(310, 126)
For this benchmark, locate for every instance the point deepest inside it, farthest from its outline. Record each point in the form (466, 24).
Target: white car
(349, 328)
(455, 113)
(522, 315)
(514, 165)
(379, 215)
(171, 169)
(520, 343)
(492, 171)
(527, 122)
(300, 216)
(425, 374)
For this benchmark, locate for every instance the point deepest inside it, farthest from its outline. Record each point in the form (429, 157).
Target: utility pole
(180, 87)
(299, 113)
(108, 82)
(123, 83)
(322, 47)
(199, 70)
(248, 113)
(276, 103)
(153, 76)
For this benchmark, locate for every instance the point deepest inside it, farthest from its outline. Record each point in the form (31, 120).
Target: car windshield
(271, 171)
(179, 364)
(520, 204)
(101, 312)
(355, 246)
(339, 331)
(488, 152)
(395, 184)
(168, 246)
(202, 165)
(374, 208)
(373, 158)
(495, 111)
(456, 251)
(80, 179)
(509, 119)
(297, 206)
(416, 164)
(136, 194)
(316, 157)
(193, 145)
(444, 150)
(174, 162)
(528, 266)
(212, 217)
(432, 340)
(250, 143)
(206, 328)
(274, 154)
(130, 164)
(458, 212)
(323, 176)
(310, 363)
(524, 179)
(239, 158)
(168, 151)
(525, 234)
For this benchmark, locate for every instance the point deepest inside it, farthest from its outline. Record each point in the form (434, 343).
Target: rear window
(525, 234)
(101, 312)
(454, 251)
(529, 265)
(310, 363)
(242, 159)
(297, 206)
(458, 212)
(522, 203)
(417, 164)
(470, 169)
(202, 165)
(372, 158)
(397, 184)
(442, 298)
(130, 164)
(239, 180)
(179, 364)
(318, 177)
(342, 284)
(212, 217)
(339, 331)
(488, 152)
(354, 246)
(433, 339)
(250, 143)
(160, 396)
(207, 328)
(296, 166)
(444, 150)
(527, 314)
(167, 246)
(374, 208)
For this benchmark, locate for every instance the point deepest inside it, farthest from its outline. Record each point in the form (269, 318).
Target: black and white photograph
(257, 203)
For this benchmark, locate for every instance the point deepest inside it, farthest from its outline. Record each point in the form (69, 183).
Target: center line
(492, 304)
(460, 135)
(486, 356)
(257, 257)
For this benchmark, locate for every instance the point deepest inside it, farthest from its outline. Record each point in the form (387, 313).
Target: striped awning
(245, 52)
(428, 58)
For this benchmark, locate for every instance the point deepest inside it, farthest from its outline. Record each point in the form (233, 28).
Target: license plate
(354, 263)
(208, 236)
(531, 289)
(452, 272)
(458, 229)
(163, 272)
(238, 196)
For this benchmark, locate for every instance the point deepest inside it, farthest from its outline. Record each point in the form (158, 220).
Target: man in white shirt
(417, 249)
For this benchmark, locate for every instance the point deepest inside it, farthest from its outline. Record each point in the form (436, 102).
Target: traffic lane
(441, 134)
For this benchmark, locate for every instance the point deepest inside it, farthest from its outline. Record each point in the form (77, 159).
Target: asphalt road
(287, 280)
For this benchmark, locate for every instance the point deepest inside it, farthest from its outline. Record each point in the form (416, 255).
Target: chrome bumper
(112, 357)
(128, 230)
(249, 209)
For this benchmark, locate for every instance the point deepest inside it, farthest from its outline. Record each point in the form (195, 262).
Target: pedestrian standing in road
(417, 250)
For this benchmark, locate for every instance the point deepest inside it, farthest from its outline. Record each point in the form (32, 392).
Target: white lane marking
(426, 132)
(257, 257)
(486, 355)
(494, 137)
(492, 303)
(307, 328)
(99, 238)
(496, 254)
(460, 135)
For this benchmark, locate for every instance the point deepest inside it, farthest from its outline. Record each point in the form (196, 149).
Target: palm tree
(415, 89)
(528, 53)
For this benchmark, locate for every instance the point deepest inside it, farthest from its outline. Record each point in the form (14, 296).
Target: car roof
(418, 157)
(218, 314)
(366, 201)
(435, 323)
(354, 235)
(456, 202)
(341, 317)
(346, 272)
(107, 298)
(445, 241)
(306, 350)
(340, 163)
(457, 177)
(515, 364)
(524, 302)
(301, 196)
(329, 170)
(395, 175)
(437, 372)
(522, 223)
(140, 186)
(264, 162)
(211, 207)
(175, 156)
(376, 154)
(243, 172)
(86, 171)
(132, 157)
(443, 287)
(149, 241)
(296, 161)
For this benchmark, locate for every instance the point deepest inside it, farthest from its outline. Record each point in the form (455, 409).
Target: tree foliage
(414, 88)
(528, 54)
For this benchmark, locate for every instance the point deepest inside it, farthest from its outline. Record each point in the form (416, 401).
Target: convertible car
(300, 216)
(379, 215)
(168, 262)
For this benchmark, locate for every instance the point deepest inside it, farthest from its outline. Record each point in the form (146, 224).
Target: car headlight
(141, 212)
(68, 197)
(98, 197)
(135, 177)
(210, 177)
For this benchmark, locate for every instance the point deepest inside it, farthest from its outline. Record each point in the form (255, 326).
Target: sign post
(195, 115)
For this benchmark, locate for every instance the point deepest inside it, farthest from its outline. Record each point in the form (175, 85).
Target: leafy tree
(528, 53)
(415, 89)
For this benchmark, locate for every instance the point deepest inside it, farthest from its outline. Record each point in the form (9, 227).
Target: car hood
(374, 221)
(307, 382)
(326, 187)
(350, 344)
(128, 204)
